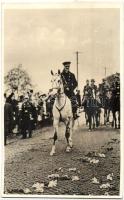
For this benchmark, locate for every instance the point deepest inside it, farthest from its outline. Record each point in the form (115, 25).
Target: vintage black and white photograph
(62, 124)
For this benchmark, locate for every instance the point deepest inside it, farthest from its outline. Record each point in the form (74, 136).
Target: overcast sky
(41, 39)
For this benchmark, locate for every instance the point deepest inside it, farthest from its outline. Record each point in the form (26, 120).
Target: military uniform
(116, 88)
(93, 89)
(86, 90)
(70, 83)
(28, 119)
(104, 89)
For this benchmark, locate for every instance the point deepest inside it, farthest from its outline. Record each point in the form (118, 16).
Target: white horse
(61, 110)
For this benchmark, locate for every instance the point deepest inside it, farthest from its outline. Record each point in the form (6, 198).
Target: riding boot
(72, 97)
(74, 111)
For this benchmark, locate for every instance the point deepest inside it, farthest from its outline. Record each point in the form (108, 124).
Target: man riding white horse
(62, 110)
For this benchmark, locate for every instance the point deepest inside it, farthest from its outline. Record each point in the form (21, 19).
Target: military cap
(92, 80)
(67, 63)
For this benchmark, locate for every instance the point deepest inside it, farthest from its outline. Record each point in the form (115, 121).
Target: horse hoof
(89, 130)
(70, 144)
(52, 153)
(68, 149)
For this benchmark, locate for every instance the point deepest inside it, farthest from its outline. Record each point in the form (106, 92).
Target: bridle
(59, 92)
(58, 86)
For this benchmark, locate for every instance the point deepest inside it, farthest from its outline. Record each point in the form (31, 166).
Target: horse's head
(57, 84)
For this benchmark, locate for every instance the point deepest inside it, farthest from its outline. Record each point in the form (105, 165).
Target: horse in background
(62, 111)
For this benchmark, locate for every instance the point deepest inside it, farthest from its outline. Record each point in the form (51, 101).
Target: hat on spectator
(92, 80)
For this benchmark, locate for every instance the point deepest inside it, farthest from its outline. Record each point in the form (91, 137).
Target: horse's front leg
(68, 134)
(55, 124)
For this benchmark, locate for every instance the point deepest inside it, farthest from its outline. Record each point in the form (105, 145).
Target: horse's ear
(59, 71)
(52, 72)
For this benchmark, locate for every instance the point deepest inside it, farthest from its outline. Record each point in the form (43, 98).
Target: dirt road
(94, 155)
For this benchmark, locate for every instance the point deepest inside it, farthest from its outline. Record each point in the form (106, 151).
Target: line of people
(22, 115)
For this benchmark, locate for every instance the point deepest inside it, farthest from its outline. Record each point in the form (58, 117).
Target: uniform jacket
(116, 88)
(70, 82)
(8, 117)
(94, 90)
(104, 88)
(87, 88)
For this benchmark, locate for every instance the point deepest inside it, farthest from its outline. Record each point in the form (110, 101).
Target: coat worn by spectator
(28, 117)
(8, 117)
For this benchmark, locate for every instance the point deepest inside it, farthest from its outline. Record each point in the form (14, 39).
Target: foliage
(110, 79)
(17, 79)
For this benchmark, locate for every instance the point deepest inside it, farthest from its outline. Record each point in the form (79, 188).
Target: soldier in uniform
(27, 117)
(116, 86)
(104, 87)
(78, 96)
(93, 88)
(70, 83)
(86, 88)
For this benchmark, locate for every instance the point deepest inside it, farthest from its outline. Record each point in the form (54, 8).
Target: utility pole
(77, 54)
(105, 71)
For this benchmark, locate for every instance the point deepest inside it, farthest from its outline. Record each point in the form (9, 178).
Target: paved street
(28, 162)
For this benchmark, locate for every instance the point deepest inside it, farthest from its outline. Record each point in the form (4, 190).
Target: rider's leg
(74, 106)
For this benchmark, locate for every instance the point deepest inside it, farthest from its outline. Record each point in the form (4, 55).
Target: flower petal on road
(104, 186)
(110, 177)
(39, 189)
(37, 185)
(75, 178)
(95, 180)
(101, 155)
(72, 169)
(94, 161)
(53, 176)
(52, 184)
(27, 191)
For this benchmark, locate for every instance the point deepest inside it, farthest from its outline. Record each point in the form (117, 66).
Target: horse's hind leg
(68, 135)
(54, 137)
(90, 121)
